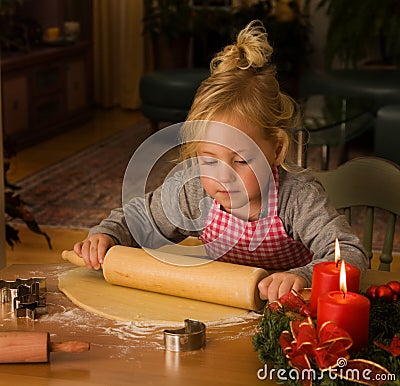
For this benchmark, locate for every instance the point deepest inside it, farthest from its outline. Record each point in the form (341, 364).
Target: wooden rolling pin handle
(73, 258)
(32, 347)
(72, 346)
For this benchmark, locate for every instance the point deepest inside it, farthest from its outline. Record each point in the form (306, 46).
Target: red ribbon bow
(393, 348)
(292, 301)
(328, 349)
(303, 345)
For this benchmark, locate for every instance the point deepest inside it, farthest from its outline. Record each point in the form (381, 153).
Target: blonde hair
(243, 82)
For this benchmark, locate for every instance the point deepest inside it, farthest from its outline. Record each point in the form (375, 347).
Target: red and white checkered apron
(262, 243)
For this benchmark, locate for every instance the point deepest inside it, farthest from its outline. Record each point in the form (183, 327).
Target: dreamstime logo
(181, 181)
(341, 362)
(342, 370)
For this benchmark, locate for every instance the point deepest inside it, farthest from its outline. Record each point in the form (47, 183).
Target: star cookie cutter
(26, 296)
(191, 337)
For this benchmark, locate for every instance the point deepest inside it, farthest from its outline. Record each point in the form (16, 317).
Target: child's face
(233, 164)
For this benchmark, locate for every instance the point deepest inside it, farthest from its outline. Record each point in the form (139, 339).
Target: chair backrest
(369, 182)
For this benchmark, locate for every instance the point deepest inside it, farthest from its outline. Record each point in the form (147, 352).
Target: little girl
(250, 206)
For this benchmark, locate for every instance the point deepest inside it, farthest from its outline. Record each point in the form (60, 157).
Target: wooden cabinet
(48, 88)
(76, 86)
(46, 91)
(15, 104)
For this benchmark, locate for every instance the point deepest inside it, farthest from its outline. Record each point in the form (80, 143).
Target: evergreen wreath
(382, 352)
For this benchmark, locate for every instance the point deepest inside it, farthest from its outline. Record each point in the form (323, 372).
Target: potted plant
(17, 33)
(288, 28)
(168, 23)
(15, 207)
(358, 25)
(213, 29)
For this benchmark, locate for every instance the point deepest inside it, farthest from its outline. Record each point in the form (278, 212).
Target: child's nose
(225, 173)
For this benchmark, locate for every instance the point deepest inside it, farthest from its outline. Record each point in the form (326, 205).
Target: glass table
(331, 120)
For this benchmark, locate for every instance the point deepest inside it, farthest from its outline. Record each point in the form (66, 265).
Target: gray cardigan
(176, 211)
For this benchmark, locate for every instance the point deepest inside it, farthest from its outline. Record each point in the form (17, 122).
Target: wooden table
(126, 354)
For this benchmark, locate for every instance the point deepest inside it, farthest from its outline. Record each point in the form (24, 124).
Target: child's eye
(208, 161)
(243, 162)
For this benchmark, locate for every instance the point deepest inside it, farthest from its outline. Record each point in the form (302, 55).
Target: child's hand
(93, 249)
(280, 283)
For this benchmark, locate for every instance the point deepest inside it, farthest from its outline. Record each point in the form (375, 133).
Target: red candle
(326, 277)
(348, 310)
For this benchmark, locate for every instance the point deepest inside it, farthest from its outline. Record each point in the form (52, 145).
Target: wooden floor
(103, 124)
(33, 248)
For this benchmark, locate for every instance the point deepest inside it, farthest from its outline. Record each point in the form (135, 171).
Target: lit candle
(326, 278)
(348, 310)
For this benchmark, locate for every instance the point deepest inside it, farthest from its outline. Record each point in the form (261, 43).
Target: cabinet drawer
(45, 91)
(47, 79)
(76, 86)
(15, 105)
(48, 110)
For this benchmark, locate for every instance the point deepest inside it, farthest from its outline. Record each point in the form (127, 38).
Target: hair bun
(251, 50)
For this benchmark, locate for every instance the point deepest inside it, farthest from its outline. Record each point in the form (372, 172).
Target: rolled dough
(88, 290)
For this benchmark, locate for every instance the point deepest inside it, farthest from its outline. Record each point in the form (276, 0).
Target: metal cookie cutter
(191, 337)
(27, 296)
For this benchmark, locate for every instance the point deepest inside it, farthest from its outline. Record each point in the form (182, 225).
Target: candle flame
(343, 281)
(337, 252)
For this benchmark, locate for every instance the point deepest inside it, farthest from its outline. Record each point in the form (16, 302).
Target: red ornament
(371, 292)
(389, 292)
(384, 292)
(395, 286)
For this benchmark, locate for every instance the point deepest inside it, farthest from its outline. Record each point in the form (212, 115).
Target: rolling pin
(33, 347)
(214, 282)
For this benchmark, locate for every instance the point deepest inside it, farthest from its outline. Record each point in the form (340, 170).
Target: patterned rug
(80, 191)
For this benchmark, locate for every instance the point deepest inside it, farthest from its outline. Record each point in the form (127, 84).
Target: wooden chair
(369, 182)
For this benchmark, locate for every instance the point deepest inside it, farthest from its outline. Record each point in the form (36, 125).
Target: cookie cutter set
(27, 296)
(189, 338)
(27, 299)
